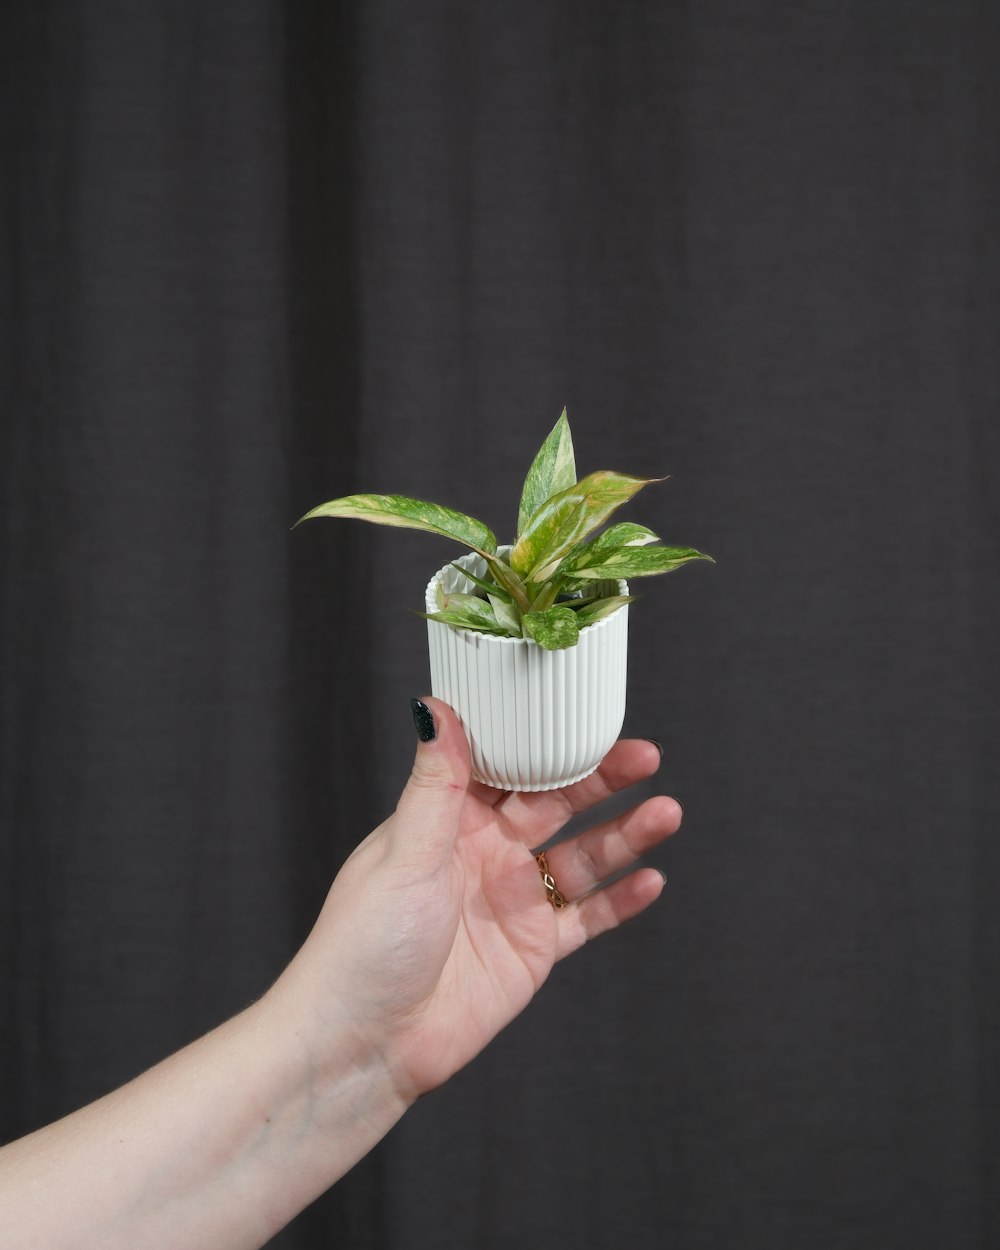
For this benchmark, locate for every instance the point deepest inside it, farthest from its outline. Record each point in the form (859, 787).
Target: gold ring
(551, 893)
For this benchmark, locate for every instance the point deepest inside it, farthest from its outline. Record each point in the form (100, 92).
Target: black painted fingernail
(423, 719)
(658, 745)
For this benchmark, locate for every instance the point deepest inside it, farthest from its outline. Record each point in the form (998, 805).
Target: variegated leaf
(547, 595)
(474, 605)
(638, 562)
(554, 629)
(552, 470)
(508, 580)
(477, 615)
(414, 514)
(624, 534)
(489, 587)
(595, 610)
(507, 615)
(567, 518)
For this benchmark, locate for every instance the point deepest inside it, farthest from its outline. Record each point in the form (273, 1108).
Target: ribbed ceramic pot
(535, 719)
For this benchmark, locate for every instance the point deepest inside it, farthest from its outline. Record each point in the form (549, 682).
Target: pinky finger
(607, 908)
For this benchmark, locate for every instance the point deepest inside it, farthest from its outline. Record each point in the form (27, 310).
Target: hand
(435, 934)
(438, 931)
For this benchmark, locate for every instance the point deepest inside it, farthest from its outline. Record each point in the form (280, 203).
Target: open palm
(440, 918)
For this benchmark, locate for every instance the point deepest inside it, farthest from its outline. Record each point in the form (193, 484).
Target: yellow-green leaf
(567, 518)
(471, 604)
(554, 629)
(508, 580)
(476, 615)
(482, 583)
(414, 514)
(552, 471)
(595, 610)
(624, 534)
(637, 562)
(507, 615)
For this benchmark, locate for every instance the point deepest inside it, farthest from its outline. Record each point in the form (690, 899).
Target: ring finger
(580, 864)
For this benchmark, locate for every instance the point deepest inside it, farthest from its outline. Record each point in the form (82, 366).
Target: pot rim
(430, 604)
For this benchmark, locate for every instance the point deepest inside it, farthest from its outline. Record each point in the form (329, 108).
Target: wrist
(341, 1064)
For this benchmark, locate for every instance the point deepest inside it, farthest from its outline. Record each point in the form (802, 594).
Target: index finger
(536, 815)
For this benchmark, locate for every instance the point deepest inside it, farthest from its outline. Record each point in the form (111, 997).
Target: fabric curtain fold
(258, 255)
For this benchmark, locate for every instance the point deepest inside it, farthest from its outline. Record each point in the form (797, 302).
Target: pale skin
(435, 934)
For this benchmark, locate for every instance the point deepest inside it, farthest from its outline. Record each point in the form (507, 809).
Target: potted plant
(528, 641)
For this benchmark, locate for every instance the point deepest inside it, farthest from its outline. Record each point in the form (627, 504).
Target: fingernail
(658, 745)
(423, 720)
(663, 875)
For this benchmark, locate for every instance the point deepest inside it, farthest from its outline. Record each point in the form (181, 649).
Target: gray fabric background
(257, 255)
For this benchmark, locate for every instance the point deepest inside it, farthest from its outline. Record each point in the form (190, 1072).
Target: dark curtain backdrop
(257, 255)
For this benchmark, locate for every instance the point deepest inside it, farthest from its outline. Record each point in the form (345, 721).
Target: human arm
(435, 934)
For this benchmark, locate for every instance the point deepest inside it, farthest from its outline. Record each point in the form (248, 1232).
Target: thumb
(431, 803)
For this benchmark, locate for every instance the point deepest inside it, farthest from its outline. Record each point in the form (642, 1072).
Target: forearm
(435, 934)
(219, 1146)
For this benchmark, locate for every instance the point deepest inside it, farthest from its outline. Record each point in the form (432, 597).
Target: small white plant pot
(535, 719)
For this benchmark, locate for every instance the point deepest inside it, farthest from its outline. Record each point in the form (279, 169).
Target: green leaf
(547, 594)
(472, 604)
(552, 470)
(507, 615)
(567, 518)
(595, 610)
(638, 562)
(508, 580)
(491, 588)
(411, 514)
(554, 629)
(476, 614)
(459, 621)
(624, 534)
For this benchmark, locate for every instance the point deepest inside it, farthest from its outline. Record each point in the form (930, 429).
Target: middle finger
(536, 816)
(582, 863)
